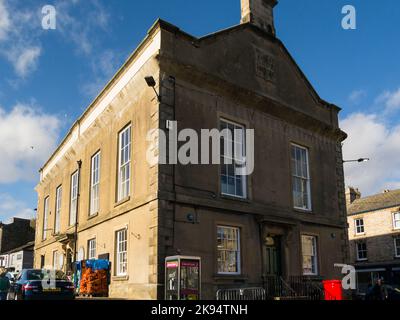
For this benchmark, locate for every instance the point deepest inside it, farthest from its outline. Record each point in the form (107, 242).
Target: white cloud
(11, 207)
(390, 100)
(4, 21)
(27, 137)
(20, 31)
(356, 96)
(82, 32)
(25, 61)
(103, 66)
(371, 137)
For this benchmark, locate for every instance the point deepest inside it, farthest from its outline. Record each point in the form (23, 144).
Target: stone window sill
(122, 201)
(120, 278)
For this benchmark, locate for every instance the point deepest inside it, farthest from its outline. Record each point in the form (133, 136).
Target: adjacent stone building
(18, 258)
(374, 234)
(16, 233)
(99, 196)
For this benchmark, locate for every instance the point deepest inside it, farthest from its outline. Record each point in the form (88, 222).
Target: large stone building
(288, 218)
(374, 234)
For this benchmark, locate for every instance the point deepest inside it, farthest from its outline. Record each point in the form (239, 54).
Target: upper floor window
(95, 184)
(310, 255)
(397, 247)
(362, 252)
(228, 246)
(124, 163)
(301, 178)
(121, 252)
(57, 222)
(233, 151)
(92, 249)
(396, 220)
(45, 218)
(74, 199)
(359, 226)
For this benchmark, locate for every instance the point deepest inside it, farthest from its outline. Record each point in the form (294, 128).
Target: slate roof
(376, 202)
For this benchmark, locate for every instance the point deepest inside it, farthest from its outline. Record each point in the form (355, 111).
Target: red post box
(333, 289)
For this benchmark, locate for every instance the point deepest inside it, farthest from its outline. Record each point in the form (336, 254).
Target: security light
(152, 83)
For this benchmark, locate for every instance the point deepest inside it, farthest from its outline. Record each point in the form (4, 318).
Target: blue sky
(48, 77)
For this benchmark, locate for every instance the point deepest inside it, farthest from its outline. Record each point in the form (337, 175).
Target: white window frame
(397, 247)
(95, 184)
(56, 260)
(358, 251)
(314, 255)
(124, 163)
(57, 218)
(396, 220)
(121, 251)
(237, 251)
(92, 252)
(302, 178)
(359, 226)
(73, 199)
(45, 217)
(225, 159)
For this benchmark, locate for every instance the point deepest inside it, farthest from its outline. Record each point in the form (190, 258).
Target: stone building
(15, 234)
(18, 258)
(374, 234)
(100, 197)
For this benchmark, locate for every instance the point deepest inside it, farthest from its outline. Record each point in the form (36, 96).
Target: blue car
(41, 284)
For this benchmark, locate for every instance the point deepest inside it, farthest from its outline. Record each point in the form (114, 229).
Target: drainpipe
(77, 209)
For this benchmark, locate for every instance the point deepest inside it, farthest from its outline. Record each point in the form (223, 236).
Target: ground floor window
(55, 260)
(121, 252)
(228, 245)
(310, 255)
(92, 249)
(362, 252)
(397, 247)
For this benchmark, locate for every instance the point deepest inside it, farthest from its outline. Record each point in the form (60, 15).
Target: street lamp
(358, 160)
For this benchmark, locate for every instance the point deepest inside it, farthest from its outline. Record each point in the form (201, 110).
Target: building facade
(100, 196)
(19, 258)
(374, 234)
(16, 233)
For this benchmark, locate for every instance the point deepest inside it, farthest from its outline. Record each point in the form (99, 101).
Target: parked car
(41, 284)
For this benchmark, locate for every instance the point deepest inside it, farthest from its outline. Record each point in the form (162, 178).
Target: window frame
(73, 204)
(359, 226)
(56, 259)
(396, 247)
(238, 251)
(91, 248)
(358, 251)
(223, 156)
(94, 184)
(315, 255)
(118, 262)
(45, 217)
(57, 214)
(127, 164)
(309, 207)
(394, 220)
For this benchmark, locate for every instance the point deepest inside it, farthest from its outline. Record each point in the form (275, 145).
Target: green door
(273, 258)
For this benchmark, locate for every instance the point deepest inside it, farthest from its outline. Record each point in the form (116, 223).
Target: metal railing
(241, 294)
(295, 288)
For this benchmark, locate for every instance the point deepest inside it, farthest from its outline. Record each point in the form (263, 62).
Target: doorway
(273, 256)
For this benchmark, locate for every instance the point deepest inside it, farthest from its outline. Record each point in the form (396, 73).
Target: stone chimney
(352, 194)
(259, 13)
